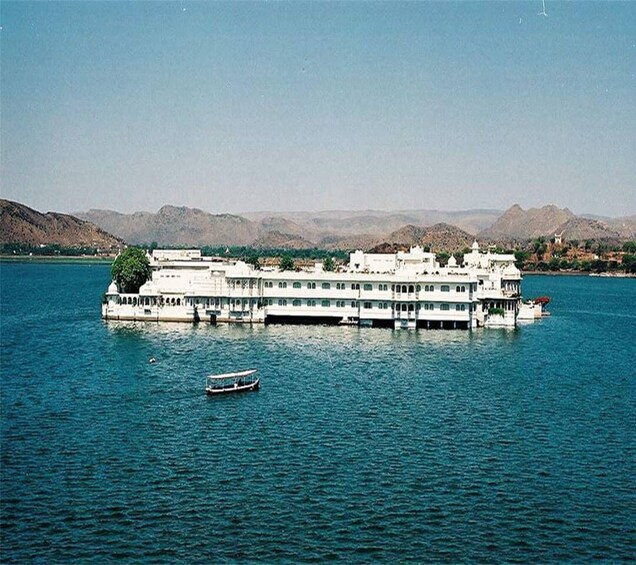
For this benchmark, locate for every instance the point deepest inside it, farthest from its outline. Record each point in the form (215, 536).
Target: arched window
(411, 288)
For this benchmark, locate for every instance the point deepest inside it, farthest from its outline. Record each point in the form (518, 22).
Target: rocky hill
(439, 237)
(178, 226)
(584, 228)
(23, 225)
(517, 224)
(279, 240)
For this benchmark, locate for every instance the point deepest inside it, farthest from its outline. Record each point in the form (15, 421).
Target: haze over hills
(343, 230)
(355, 222)
(23, 225)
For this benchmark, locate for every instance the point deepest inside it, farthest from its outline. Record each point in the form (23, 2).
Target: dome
(475, 246)
(511, 271)
(452, 262)
(112, 288)
(147, 289)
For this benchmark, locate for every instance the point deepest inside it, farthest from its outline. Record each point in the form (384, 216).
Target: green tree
(629, 246)
(287, 263)
(329, 264)
(520, 258)
(252, 259)
(131, 269)
(629, 263)
(443, 257)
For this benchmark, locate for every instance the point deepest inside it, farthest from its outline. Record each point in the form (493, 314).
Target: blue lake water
(362, 445)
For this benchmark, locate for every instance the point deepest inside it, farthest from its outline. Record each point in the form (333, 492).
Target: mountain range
(341, 229)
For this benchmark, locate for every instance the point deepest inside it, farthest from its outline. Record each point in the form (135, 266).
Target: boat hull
(238, 388)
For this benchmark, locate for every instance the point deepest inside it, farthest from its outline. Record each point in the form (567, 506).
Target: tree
(287, 263)
(520, 258)
(252, 259)
(443, 257)
(131, 269)
(329, 264)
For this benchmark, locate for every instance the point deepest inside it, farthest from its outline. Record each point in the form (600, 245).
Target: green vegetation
(443, 257)
(496, 311)
(244, 252)
(287, 263)
(329, 264)
(47, 250)
(131, 269)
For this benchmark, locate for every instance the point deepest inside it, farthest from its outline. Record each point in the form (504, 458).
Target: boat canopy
(238, 375)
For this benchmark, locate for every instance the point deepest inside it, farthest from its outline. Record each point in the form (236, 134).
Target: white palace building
(396, 290)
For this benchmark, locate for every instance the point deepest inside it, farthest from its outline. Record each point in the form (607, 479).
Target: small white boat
(243, 381)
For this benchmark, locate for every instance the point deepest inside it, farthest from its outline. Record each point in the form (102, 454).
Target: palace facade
(396, 290)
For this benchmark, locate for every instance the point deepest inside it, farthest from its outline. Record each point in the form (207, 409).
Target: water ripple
(363, 445)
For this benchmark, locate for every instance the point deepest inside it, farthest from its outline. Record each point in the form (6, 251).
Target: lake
(362, 445)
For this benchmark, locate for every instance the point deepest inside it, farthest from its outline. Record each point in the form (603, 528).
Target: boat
(242, 381)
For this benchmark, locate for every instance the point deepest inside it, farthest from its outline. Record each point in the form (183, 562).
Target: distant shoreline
(604, 274)
(55, 259)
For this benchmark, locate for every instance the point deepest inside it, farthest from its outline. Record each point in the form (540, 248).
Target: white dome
(511, 271)
(112, 288)
(475, 246)
(452, 262)
(147, 289)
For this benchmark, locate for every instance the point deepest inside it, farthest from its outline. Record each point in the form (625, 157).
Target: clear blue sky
(236, 107)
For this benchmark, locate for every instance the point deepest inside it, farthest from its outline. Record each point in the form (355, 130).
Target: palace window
(355, 286)
(444, 307)
(325, 303)
(311, 285)
(296, 303)
(354, 304)
(340, 304)
(282, 285)
(297, 285)
(411, 288)
(326, 285)
(445, 288)
(367, 305)
(368, 286)
(311, 303)
(282, 302)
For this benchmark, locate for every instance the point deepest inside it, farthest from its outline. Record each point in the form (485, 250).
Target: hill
(23, 225)
(516, 224)
(440, 237)
(279, 240)
(177, 225)
(584, 228)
